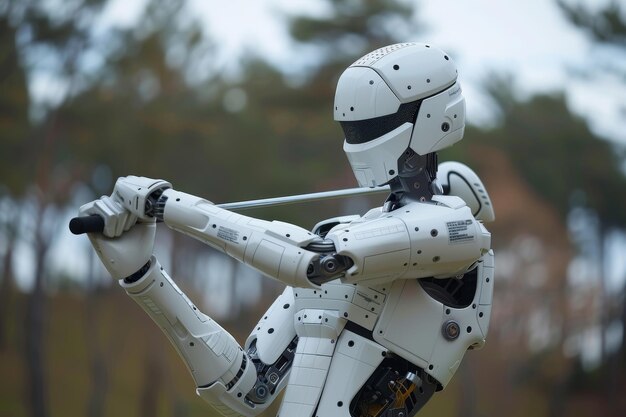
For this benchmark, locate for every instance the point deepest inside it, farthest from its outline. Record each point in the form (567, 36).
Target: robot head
(398, 100)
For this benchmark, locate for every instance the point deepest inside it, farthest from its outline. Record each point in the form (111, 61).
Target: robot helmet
(400, 98)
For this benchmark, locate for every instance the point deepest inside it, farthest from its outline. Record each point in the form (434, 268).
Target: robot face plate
(376, 162)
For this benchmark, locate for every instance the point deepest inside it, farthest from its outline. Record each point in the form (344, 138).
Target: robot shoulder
(458, 179)
(323, 227)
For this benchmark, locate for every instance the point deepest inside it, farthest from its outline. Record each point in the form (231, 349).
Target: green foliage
(606, 25)
(354, 27)
(14, 124)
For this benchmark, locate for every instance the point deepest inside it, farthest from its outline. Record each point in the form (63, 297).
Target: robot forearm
(211, 354)
(223, 373)
(274, 248)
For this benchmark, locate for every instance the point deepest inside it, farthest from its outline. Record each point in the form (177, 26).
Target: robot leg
(221, 370)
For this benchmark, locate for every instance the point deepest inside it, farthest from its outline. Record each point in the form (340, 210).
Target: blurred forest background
(147, 100)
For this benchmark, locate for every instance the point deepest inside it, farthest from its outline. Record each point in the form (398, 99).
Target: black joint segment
(87, 224)
(139, 274)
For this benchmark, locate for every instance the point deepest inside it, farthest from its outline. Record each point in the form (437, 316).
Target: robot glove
(123, 256)
(124, 246)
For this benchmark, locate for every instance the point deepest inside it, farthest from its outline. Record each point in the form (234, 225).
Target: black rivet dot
(396, 67)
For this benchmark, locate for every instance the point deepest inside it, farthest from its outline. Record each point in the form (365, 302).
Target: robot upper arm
(416, 241)
(460, 180)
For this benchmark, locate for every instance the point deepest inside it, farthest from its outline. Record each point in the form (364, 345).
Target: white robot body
(381, 293)
(378, 309)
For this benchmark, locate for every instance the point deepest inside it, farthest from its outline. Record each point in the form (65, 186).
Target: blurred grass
(125, 335)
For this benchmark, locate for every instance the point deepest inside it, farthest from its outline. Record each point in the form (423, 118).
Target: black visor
(362, 131)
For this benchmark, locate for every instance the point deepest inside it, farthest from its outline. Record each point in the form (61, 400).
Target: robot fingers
(116, 219)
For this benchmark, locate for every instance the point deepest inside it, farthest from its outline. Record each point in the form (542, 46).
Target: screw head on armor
(395, 98)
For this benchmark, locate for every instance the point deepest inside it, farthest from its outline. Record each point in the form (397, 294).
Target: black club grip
(87, 224)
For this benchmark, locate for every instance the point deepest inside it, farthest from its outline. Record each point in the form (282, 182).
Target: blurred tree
(606, 26)
(57, 36)
(14, 126)
(537, 163)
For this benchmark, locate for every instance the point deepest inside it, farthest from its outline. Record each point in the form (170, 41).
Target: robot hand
(133, 199)
(127, 254)
(124, 246)
(127, 229)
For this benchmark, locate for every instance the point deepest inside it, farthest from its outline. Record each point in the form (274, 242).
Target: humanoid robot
(379, 309)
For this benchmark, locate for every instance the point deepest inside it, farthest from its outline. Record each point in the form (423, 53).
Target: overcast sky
(529, 39)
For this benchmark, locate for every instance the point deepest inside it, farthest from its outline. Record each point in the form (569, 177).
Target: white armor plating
(378, 309)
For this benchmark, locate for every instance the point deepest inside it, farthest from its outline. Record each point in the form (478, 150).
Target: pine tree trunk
(7, 288)
(98, 366)
(35, 341)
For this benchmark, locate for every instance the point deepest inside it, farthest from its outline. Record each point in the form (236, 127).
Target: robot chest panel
(324, 312)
